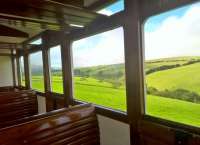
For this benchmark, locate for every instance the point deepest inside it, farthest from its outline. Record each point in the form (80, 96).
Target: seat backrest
(74, 126)
(7, 89)
(17, 105)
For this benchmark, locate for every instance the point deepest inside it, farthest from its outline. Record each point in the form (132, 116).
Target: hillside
(185, 77)
(172, 92)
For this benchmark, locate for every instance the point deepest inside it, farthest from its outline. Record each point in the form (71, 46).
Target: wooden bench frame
(16, 105)
(68, 126)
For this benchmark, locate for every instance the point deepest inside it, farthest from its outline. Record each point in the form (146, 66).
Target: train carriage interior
(100, 72)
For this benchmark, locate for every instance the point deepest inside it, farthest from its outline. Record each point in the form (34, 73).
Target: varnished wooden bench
(11, 89)
(17, 105)
(7, 89)
(74, 126)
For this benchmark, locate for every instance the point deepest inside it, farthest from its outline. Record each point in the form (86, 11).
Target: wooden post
(133, 63)
(46, 68)
(26, 67)
(18, 68)
(13, 68)
(67, 69)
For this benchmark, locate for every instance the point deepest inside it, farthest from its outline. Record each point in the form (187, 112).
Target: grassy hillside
(105, 85)
(91, 90)
(174, 110)
(186, 77)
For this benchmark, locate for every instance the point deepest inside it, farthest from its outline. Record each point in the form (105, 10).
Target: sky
(171, 34)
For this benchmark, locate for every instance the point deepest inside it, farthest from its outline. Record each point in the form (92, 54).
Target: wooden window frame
(132, 20)
(156, 10)
(103, 110)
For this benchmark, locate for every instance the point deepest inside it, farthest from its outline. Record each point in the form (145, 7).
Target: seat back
(7, 89)
(17, 105)
(74, 126)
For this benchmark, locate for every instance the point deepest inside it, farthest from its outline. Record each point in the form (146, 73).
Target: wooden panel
(7, 88)
(99, 4)
(49, 12)
(156, 134)
(153, 7)
(16, 105)
(152, 134)
(7, 31)
(76, 126)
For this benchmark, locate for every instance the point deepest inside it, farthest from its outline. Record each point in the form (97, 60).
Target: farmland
(105, 86)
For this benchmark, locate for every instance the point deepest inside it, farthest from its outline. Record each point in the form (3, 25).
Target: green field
(104, 92)
(186, 77)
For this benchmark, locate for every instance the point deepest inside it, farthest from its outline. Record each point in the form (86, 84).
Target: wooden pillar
(133, 63)
(18, 68)
(67, 69)
(45, 56)
(26, 67)
(13, 68)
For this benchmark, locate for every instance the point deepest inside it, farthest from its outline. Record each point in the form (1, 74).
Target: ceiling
(23, 19)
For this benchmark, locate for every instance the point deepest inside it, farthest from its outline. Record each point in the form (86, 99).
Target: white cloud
(177, 36)
(107, 48)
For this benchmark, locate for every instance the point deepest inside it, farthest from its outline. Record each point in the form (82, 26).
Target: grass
(169, 61)
(185, 77)
(103, 93)
(174, 110)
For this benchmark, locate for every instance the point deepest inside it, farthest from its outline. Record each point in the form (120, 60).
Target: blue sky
(171, 34)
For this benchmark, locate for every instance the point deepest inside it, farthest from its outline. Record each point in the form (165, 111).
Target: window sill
(114, 114)
(172, 125)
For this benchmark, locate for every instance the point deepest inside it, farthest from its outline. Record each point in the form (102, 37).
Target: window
(56, 69)
(36, 69)
(22, 74)
(99, 71)
(113, 8)
(172, 65)
(37, 42)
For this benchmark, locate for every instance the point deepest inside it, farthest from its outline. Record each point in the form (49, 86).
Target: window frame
(102, 110)
(20, 71)
(30, 73)
(50, 72)
(154, 119)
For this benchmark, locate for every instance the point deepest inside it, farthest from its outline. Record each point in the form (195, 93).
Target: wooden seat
(7, 89)
(17, 105)
(74, 126)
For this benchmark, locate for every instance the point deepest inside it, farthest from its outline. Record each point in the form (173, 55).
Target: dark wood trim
(46, 62)
(133, 63)
(41, 94)
(150, 8)
(172, 125)
(67, 69)
(98, 26)
(5, 54)
(13, 67)
(35, 48)
(46, 12)
(113, 114)
(11, 32)
(38, 36)
(26, 67)
(18, 69)
(98, 5)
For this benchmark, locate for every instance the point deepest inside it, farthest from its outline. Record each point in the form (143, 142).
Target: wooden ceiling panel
(11, 32)
(48, 11)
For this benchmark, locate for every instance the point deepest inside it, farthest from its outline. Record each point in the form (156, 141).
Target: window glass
(113, 8)
(22, 74)
(99, 72)
(36, 68)
(37, 42)
(56, 70)
(172, 65)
